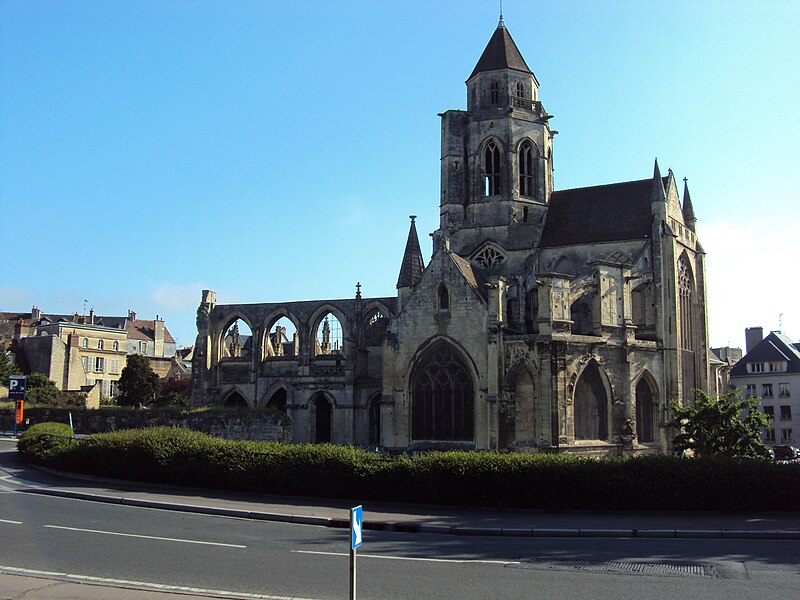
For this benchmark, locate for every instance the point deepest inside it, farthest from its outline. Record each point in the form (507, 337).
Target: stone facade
(544, 321)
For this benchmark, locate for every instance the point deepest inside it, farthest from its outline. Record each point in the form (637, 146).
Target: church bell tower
(496, 159)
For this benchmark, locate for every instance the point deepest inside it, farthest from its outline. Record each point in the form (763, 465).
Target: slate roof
(473, 276)
(501, 53)
(603, 213)
(413, 265)
(774, 347)
(143, 329)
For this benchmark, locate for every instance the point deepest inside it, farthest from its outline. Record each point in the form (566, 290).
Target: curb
(719, 534)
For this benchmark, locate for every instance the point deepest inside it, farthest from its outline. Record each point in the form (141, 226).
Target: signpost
(356, 528)
(17, 391)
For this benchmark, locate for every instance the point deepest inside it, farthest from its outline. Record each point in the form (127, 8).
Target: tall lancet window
(494, 93)
(527, 169)
(520, 89)
(491, 167)
(686, 292)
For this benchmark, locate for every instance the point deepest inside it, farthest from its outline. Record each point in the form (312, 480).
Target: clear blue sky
(274, 150)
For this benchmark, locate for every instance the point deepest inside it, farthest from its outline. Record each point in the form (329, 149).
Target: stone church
(545, 320)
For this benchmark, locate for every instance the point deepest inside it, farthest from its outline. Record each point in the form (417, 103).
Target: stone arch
(227, 342)
(528, 157)
(277, 397)
(284, 342)
(520, 384)
(591, 403)
(443, 391)
(321, 406)
(565, 266)
(234, 398)
(335, 341)
(375, 324)
(646, 408)
(374, 420)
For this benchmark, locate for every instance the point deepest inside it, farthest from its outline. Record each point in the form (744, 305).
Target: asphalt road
(67, 536)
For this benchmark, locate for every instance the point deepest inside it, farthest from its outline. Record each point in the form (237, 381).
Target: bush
(534, 481)
(46, 443)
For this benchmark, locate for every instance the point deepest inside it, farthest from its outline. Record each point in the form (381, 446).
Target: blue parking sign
(356, 522)
(17, 387)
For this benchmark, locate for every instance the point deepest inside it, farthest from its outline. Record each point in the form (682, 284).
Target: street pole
(353, 573)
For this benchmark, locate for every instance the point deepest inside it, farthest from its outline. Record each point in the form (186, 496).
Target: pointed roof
(658, 192)
(688, 209)
(413, 265)
(501, 53)
(775, 347)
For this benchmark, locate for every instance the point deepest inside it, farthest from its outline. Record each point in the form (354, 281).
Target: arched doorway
(591, 405)
(645, 412)
(443, 397)
(322, 419)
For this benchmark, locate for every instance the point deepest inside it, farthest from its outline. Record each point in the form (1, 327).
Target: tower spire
(688, 209)
(657, 193)
(501, 23)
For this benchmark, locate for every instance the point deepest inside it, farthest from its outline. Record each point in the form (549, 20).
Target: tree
(138, 384)
(724, 426)
(175, 392)
(7, 366)
(42, 390)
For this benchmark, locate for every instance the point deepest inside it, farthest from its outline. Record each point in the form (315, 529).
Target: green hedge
(484, 479)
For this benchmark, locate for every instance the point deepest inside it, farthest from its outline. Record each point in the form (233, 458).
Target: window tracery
(489, 257)
(491, 168)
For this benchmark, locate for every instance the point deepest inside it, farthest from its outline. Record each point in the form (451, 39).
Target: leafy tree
(175, 392)
(138, 385)
(42, 390)
(724, 426)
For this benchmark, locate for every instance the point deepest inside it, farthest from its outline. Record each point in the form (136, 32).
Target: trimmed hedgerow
(481, 479)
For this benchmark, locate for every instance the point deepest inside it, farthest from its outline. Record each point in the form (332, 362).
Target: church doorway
(442, 401)
(591, 405)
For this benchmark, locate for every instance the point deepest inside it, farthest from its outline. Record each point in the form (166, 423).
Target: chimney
(36, 314)
(91, 316)
(131, 315)
(158, 337)
(752, 337)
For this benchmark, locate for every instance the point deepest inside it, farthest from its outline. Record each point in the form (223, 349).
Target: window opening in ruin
(278, 400)
(375, 327)
(237, 342)
(491, 168)
(328, 339)
(527, 170)
(281, 339)
(591, 406)
(444, 298)
(236, 400)
(442, 402)
(645, 412)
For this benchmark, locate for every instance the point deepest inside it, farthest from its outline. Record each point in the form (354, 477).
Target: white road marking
(11, 522)
(412, 558)
(143, 585)
(146, 537)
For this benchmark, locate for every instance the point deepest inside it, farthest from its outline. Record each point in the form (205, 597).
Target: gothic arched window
(443, 298)
(491, 168)
(591, 405)
(527, 169)
(442, 402)
(686, 293)
(646, 412)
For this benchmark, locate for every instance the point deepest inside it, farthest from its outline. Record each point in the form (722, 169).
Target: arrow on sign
(356, 522)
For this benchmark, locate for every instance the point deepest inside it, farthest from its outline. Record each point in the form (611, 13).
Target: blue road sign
(356, 521)
(17, 387)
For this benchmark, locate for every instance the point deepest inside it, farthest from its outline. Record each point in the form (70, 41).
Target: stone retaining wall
(254, 426)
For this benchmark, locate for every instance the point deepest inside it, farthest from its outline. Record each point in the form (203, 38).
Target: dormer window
(491, 168)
